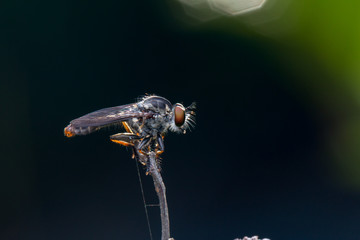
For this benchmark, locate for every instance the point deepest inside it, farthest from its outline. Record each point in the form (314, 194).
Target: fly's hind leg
(125, 139)
(130, 140)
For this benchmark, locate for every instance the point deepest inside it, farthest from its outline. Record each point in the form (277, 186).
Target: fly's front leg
(143, 144)
(160, 142)
(130, 140)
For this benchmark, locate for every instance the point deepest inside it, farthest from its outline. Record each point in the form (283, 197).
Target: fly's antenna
(190, 116)
(191, 107)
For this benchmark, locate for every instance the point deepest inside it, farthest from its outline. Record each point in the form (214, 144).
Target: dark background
(274, 152)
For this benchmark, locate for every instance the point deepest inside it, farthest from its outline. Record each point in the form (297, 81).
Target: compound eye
(179, 112)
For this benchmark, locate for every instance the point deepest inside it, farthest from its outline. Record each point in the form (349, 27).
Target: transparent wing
(104, 117)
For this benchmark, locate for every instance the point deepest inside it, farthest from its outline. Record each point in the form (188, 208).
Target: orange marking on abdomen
(68, 132)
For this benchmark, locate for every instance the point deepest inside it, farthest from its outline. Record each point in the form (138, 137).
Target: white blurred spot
(199, 9)
(271, 18)
(205, 10)
(236, 7)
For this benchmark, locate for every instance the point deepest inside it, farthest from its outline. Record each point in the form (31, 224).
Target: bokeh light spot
(236, 7)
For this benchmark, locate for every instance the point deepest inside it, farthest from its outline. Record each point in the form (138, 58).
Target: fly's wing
(104, 117)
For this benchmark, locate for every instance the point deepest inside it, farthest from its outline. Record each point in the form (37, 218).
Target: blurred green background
(276, 149)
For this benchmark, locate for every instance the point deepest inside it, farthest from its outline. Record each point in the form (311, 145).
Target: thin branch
(143, 196)
(161, 192)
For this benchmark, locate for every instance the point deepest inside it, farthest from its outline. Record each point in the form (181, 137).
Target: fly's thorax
(155, 104)
(159, 123)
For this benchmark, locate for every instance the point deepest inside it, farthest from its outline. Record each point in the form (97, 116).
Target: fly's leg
(134, 138)
(142, 158)
(140, 146)
(160, 145)
(127, 127)
(159, 149)
(143, 143)
(143, 148)
(125, 139)
(131, 140)
(135, 153)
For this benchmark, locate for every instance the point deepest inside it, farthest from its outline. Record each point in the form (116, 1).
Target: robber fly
(145, 122)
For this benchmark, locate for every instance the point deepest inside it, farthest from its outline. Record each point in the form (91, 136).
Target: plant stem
(161, 192)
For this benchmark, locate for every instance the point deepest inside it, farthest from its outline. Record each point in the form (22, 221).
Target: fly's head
(182, 118)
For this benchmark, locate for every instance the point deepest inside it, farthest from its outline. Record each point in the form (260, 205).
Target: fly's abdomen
(71, 131)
